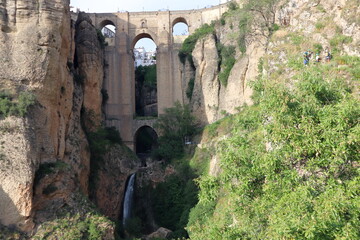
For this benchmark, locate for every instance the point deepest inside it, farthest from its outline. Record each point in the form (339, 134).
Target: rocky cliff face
(118, 164)
(35, 45)
(212, 100)
(90, 64)
(44, 157)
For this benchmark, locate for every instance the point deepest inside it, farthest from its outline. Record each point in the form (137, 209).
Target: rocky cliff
(44, 153)
(36, 42)
(324, 22)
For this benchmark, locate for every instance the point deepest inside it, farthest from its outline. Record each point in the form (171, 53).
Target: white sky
(140, 5)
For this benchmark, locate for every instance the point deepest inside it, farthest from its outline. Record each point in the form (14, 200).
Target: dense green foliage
(173, 199)
(226, 61)
(11, 106)
(189, 43)
(48, 168)
(290, 169)
(175, 125)
(146, 75)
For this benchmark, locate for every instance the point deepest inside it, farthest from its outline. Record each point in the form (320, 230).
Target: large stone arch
(143, 34)
(179, 20)
(105, 22)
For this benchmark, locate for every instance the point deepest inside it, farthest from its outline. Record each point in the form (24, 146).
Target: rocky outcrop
(90, 63)
(205, 97)
(324, 22)
(162, 233)
(212, 100)
(117, 165)
(45, 156)
(35, 45)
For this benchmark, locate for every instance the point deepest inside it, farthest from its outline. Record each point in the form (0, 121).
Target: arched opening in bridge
(145, 76)
(108, 29)
(180, 27)
(146, 140)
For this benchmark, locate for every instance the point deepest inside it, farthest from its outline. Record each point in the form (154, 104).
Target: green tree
(175, 125)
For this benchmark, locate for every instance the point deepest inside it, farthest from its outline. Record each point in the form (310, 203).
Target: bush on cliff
(12, 106)
(290, 168)
(176, 124)
(189, 44)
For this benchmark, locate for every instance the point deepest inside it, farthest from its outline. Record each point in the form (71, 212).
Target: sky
(100, 6)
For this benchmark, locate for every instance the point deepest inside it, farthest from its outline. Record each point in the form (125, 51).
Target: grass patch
(338, 40)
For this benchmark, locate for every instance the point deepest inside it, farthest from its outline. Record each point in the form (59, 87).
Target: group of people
(309, 55)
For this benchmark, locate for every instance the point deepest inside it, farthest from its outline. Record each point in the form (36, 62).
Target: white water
(128, 199)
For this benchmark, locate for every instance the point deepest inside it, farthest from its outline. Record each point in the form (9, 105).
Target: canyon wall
(212, 100)
(35, 46)
(45, 156)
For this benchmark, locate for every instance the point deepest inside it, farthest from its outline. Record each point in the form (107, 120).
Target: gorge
(248, 142)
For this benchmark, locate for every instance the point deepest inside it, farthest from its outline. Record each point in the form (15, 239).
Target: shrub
(232, 5)
(105, 96)
(189, 43)
(319, 25)
(48, 168)
(190, 88)
(339, 40)
(173, 199)
(16, 107)
(289, 168)
(227, 61)
(78, 78)
(49, 189)
(175, 124)
(99, 143)
(318, 47)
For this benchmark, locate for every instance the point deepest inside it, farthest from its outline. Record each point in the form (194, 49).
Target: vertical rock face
(205, 97)
(90, 61)
(210, 99)
(35, 43)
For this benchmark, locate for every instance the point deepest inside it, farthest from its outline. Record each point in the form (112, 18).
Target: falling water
(128, 198)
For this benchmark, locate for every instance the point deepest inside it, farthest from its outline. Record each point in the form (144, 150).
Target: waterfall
(128, 198)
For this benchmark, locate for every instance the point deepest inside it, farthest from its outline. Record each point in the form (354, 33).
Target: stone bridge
(120, 73)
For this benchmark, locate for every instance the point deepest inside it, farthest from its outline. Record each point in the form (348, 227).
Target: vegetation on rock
(16, 106)
(289, 169)
(189, 44)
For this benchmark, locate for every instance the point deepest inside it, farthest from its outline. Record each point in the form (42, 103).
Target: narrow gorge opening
(145, 76)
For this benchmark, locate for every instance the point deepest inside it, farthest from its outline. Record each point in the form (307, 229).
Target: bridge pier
(120, 74)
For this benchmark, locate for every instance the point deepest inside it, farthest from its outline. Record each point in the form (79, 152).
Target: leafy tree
(175, 125)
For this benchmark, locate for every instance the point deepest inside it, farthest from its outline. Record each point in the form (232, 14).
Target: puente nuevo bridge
(120, 73)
